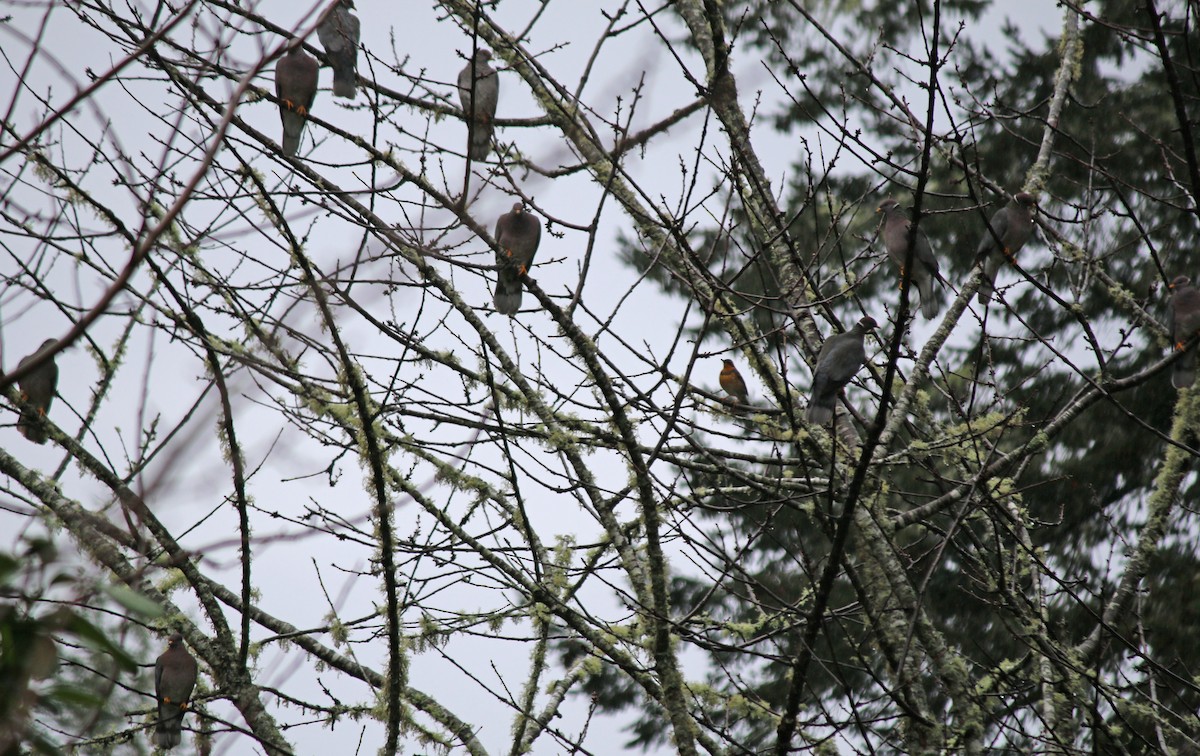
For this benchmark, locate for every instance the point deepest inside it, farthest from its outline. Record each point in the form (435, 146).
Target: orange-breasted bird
(733, 384)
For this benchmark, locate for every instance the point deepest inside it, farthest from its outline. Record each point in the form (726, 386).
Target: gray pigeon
(339, 34)
(479, 105)
(174, 679)
(518, 234)
(37, 389)
(840, 358)
(1007, 232)
(1183, 321)
(296, 88)
(924, 264)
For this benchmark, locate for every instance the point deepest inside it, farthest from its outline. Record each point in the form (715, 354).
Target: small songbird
(1007, 232)
(1183, 321)
(296, 76)
(339, 34)
(840, 358)
(37, 389)
(733, 383)
(924, 272)
(518, 234)
(174, 679)
(479, 93)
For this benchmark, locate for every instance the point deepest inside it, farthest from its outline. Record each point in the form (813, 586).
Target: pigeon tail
(168, 731)
(30, 429)
(293, 129)
(1183, 373)
(987, 289)
(508, 293)
(480, 141)
(507, 302)
(818, 413)
(345, 75)
(931, 304)
(344, 85)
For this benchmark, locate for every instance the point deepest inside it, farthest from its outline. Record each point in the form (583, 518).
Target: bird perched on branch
(517, 234)
(1007, 232)
(733, 383)
(479, 92)
(1183, 321)
(895, 233)
(174, 679)
(296, 88)
(840, 358)
(37, 390)
(339, 34)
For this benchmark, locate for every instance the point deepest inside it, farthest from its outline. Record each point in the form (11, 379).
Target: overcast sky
(188, 485)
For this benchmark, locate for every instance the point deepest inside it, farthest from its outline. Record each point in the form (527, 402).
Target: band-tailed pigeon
(296, 88)
(840, 358)
(174, 678)
(1007, 232)
(733, 383)
(479, 106)
(518, 234)
(1183, 321)
(37, 389)
(339, 34)
(924, 264)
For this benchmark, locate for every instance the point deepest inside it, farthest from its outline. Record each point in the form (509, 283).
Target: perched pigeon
(37, 388)
(1007, 232)
(174, 678)
(339, 34)
(479, 104)
(924, 264)
(1183, 321)
(518, 234)
(840, 358)
(733, 383)
(296, 88)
